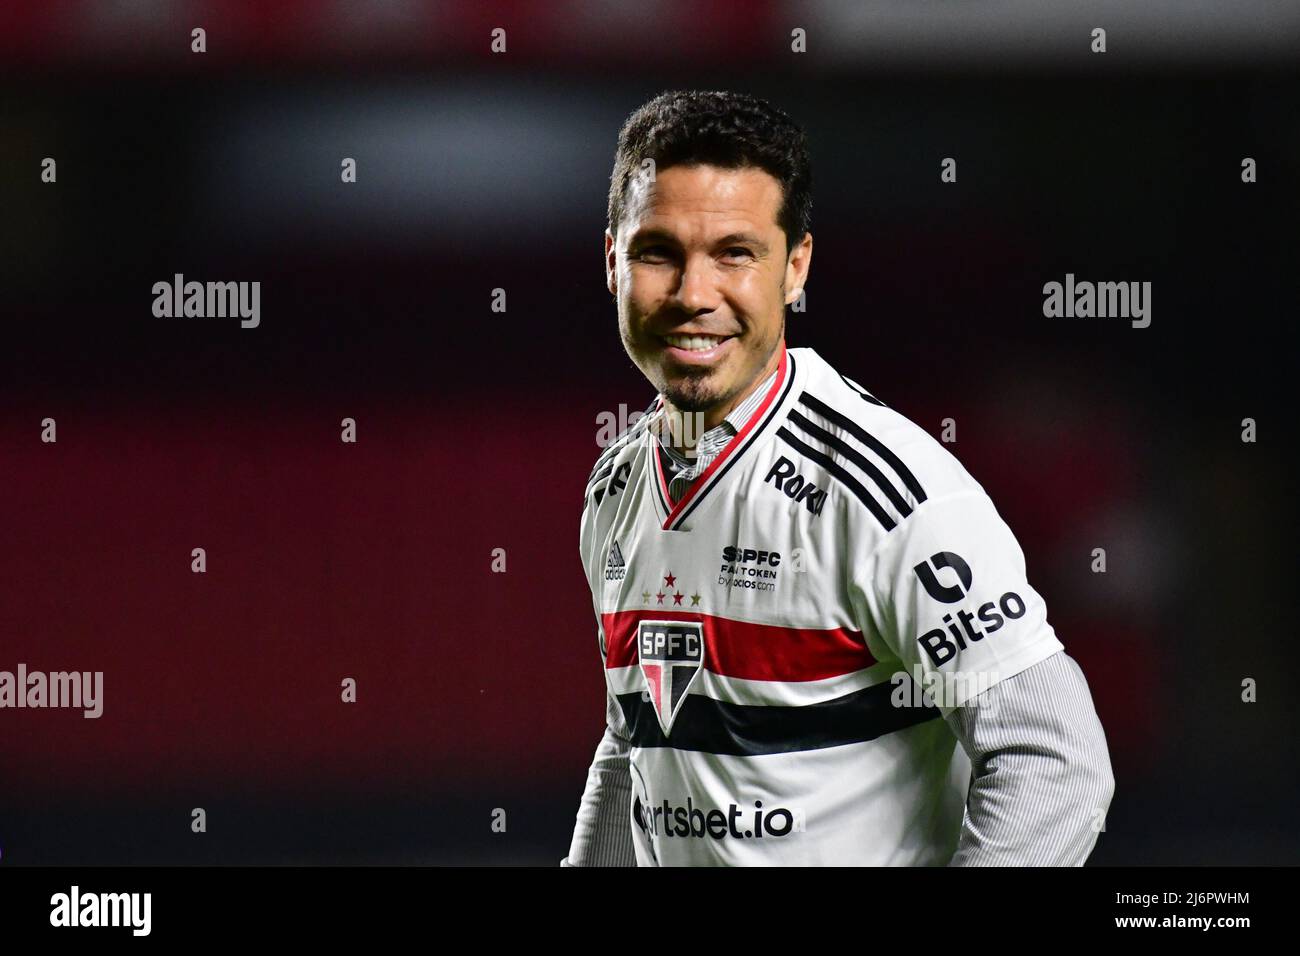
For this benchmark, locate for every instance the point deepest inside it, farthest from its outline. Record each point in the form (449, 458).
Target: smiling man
(733, 292)
(818, 639)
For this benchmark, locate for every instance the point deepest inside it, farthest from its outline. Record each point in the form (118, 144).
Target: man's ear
(796, 267)
(611, 262)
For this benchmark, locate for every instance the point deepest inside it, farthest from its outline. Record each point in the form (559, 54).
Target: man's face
(702, 278)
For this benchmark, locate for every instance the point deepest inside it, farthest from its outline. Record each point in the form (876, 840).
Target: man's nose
(698, 289)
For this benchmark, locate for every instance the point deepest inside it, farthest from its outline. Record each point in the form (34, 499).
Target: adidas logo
(615, 567)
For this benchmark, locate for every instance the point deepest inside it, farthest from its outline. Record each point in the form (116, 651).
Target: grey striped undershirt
(1041, 779)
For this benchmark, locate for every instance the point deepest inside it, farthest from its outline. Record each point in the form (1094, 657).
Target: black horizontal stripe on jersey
(751, 441)
(837, 471)
(862, 435)
(852, 454)
(749, 730)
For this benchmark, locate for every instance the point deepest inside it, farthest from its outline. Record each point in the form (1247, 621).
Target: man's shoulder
(617, 449)
(889, 457)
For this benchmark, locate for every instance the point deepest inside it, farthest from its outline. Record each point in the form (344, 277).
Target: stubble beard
(693, 392)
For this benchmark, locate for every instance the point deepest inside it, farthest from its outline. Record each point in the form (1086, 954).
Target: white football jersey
(780, 645)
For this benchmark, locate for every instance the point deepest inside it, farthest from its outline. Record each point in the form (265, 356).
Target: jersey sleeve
(589, 548)
(586, 542)
(947, 595)
(602, 834)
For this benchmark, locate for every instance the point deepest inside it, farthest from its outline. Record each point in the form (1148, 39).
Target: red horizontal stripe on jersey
(748, 651)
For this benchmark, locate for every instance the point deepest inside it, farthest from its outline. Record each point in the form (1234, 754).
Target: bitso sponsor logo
(941, 645)
(948, 594)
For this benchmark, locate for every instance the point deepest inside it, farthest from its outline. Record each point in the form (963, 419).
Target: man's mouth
(696, 349)
(694, 343)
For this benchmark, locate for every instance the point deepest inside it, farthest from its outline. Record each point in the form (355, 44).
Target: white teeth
(692, 343)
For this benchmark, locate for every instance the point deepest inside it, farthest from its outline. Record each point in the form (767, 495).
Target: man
(818, 640)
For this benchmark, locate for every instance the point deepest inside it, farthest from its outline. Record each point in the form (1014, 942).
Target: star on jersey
(676, 594)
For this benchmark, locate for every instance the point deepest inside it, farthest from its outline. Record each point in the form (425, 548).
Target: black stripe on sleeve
(605, 473)
(862, 392)
(855, 456)
(862, 435)
(827, 462)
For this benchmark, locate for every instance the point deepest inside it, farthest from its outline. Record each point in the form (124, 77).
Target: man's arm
(603, 835)
(1041, 775)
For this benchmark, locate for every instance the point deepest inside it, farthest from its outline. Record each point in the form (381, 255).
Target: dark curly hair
(718, 128)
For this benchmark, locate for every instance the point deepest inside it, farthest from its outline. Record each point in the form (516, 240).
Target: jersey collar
(676, 512)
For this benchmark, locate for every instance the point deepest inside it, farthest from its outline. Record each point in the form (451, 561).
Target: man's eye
(652, 252)
(739, 252)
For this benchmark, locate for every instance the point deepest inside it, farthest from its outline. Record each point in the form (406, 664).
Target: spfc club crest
(672, 656)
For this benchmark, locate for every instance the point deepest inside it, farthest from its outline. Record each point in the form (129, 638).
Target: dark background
(477, 430)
